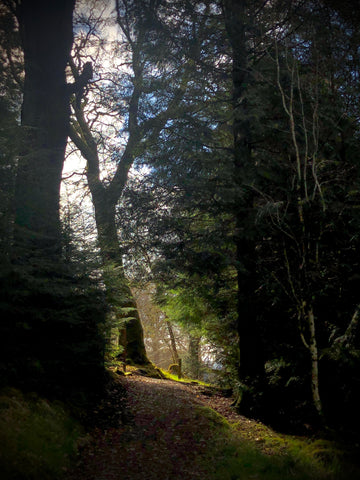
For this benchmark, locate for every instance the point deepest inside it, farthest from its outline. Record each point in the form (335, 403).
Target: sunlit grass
(260, 453)
(170, 376)
(255, 451)
(37, 438)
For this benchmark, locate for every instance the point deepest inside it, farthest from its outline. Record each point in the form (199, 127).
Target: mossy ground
(38, 438)
(146, 370)
(249, 449)
(170, 426)
(266, 455)
(170, 376)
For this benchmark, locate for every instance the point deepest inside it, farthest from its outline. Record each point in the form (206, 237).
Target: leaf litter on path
(166, 434)
(164, 437)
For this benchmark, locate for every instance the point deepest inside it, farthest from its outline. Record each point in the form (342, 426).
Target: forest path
(166, 435)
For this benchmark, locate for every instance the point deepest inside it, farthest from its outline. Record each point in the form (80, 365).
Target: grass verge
(266, 455)
(38, 438)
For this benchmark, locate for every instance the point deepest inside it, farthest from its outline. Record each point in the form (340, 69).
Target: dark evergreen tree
(11, 85)
(274, 222)
(50, 314)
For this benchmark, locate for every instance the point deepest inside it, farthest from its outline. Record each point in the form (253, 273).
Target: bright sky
(103, 62)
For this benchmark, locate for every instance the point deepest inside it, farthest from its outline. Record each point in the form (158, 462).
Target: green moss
(37, 438)
(170, 376)
(258, 452)
(146, 370)
(214, 418)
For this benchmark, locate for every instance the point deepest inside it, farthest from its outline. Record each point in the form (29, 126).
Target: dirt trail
(164, 438)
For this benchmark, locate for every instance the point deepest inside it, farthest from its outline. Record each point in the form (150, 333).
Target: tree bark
(348, 339)
(50, 339)
(106, 198)
(46, 30)
(111, 254)
(194, 356)
(314, 364)
(174, 351)
(104, 201)
(251, 364)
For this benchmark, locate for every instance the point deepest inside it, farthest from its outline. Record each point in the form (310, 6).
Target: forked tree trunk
(108, 196)
(104, 201)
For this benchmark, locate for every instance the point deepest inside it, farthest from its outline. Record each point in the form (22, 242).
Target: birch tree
(307, 83)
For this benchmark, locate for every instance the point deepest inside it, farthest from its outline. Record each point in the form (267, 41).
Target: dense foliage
(222, 149)
(281, 230)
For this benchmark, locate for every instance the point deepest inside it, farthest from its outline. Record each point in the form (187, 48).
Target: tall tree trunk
(49, 333)
(251, 364)
(174, 351)
(311, 345)
(194, 356)
(138, 131)
(46, 29)
(104, 201)
(122, 296)
(314, 364)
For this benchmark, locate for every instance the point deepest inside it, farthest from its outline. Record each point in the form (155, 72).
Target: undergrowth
(270, 456)
(258, 452)
(38, 438)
